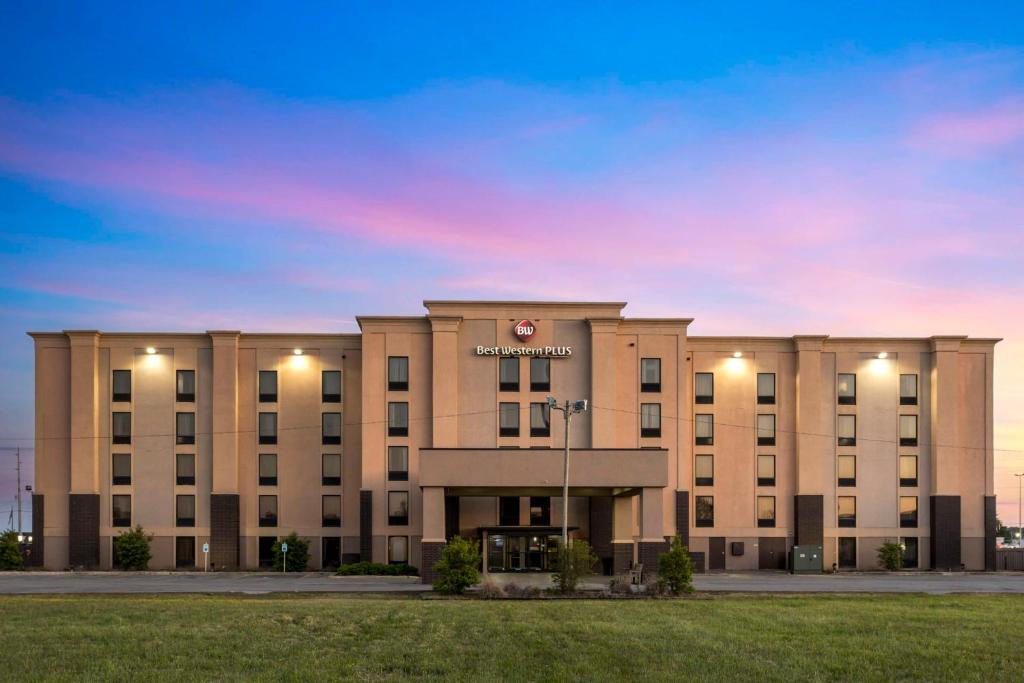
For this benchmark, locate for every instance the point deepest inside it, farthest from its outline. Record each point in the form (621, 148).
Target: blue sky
(802, 168)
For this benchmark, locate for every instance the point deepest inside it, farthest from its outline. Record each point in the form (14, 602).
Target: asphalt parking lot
(261, 583)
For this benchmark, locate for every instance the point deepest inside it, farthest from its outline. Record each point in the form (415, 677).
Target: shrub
(376, 569)
(890, 556)
(297, 555)
(491, 591)
(132, 548)
(514, 590)
(657, 587)
(676, 569)
(10, 551)
(457, 568)
(571, 565)
(619, 585)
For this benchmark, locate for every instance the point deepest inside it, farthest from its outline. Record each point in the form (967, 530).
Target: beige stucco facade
(633, 483)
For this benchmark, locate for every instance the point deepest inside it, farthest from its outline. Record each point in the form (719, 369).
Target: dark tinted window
(508, 374)
(185, 469)
(398, 419)
(268, 469)
(185, 507)
(331, 428)
(330, 386)
(185, 428)
(122, 386)
(540, 374)
(122, 428)
(186, 386)
(121, 466)
(268, 428)
(121, 511)
(330, 474)
(398, 463)
(398, 373)
(268, 386)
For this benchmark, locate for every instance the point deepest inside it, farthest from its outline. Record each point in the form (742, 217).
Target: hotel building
(381, 445)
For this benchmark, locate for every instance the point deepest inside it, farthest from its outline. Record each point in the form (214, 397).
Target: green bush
(890, 556)
(132, 548)
(10, 552)
(376, 569)
(572, 564)
(457, 568)
(297, 555)
(675, 568)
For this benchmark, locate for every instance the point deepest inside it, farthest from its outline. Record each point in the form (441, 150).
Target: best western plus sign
(524, 330)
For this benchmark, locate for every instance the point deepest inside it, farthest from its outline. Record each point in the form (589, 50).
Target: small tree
(572, 564)
(132, 548)
(675, 568)
(457, 568)
(890, 556)
(10, 551)
(297, 555)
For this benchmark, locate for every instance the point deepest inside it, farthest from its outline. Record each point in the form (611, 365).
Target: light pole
(1020, 477)
(568, 410)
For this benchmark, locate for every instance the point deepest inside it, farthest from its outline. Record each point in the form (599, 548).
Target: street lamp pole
(1020, 478)
(568, 410)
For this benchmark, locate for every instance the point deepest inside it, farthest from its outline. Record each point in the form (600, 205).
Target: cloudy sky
(764, 170)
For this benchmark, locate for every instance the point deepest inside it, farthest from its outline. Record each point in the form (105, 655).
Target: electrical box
(736, 548)
(806, 559)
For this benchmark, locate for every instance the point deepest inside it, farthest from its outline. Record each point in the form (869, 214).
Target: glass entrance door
(520, 552)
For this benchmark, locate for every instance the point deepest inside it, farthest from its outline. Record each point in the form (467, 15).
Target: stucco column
(815, 443)
(602, 382)
(944, 505)
(622, 534)
(652, 535)
(225, 515)
(84, 499)
(445, 385)
(433, 531)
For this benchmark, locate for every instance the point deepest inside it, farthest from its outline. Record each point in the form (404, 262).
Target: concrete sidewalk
(261, 583)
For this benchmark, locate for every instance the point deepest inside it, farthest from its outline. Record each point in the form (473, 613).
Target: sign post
(206, 557)
(284, 557)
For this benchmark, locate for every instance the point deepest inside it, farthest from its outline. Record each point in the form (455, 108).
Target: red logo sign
(524, 330)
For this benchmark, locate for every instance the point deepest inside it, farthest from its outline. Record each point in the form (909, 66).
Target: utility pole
(568, 410)
(1020, 478)
(18, 467)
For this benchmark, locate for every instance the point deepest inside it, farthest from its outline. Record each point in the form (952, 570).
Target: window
(330, 424)
(122, 428)
(268, 469)
(266, 551)
(398, 463)
(330, 508)
(704, 429)
(909, 553)
(705, 506)
(398, 373)
(268, 386)
(766, 511)
(847, 553)
(398, 549)
(540, 419)
(121, 511)
(540, 511)
(847, 511)
(508, 374)
(650, 419)
(185, 469)
(540, 374)
(847, 389)
(398, 508)
(704, 387)
(185, 428)
(704, 470)
(908, 430)
(122, 389)
(268, 510)
(268, 428)
(908, 512)
(766, 470)
(330, 386)
(398, 419)
(186, 392)
(185, 551)
(508, 511)
(908, 396)
(766, 388)
(185, 510)
(508, 419)
(650, 374)
(908, 470)
(765, 430)
(846, 428)
(330, 468)
(121, 469)
(846, 470)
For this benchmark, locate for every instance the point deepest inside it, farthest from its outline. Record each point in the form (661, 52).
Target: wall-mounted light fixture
(150, 350)
(737, 354)
(883, 355)
(297, 352)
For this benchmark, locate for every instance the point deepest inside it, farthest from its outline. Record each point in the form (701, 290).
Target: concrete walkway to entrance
(259, 583)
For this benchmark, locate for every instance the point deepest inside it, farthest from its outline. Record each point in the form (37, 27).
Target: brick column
(84, 502)
(683, 517)
(38, 525)
(366, 526)
(809, 511)
(225, 514)
(944, 549)
(990, 533)
(946, 455)
(84, 530)
(224, 531)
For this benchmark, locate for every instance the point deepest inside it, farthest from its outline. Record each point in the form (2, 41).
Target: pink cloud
(969, 133)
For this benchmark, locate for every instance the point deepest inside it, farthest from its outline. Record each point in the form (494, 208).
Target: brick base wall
(945, 540)
(366, 526)
(810, 520)
(430, 553)
(683, 517)
(648, 553)
(84, 530)
(38, 538)
(990, 533)
(698, 563)
(224, 531)
(622, 557)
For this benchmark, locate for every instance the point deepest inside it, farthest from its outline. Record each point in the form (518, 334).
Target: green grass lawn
(737, 637)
